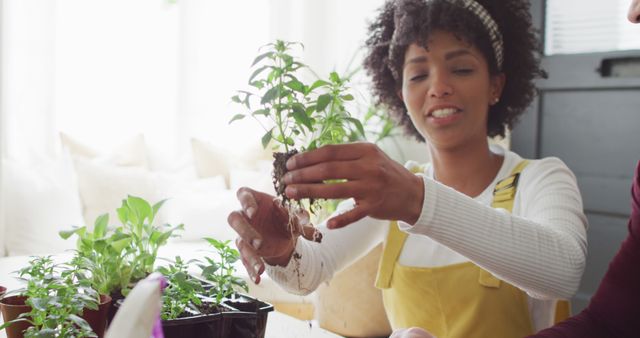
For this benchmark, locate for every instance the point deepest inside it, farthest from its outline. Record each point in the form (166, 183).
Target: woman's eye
(419, 77)
(463, 71)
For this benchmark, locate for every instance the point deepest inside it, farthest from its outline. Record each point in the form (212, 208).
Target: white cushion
(40, 199)
(210, 160)
(103, 187)
(132, 153)
(260, 180)
(204, 214)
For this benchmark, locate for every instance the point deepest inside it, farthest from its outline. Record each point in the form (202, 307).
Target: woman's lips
(444, 116)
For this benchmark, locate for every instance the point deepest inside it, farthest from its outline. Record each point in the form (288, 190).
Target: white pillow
(40, 199)
(132, 153)
(103, 186)
(204, 214)
(210, 160)
(260, 180)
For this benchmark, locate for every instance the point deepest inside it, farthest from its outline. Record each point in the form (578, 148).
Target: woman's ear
(399, 93)
(497, 85)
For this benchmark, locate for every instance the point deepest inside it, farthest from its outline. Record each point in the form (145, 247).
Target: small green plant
(299, 116)
(182, 293)
(121, 256)
(298, 112)
(186, 294)
(57, 295)
(137, 217)
(104, 254)
(221, 273)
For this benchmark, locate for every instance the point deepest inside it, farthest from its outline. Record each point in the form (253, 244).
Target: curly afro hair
(403, 22)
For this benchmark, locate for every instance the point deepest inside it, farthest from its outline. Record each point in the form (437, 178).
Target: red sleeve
(613, 310)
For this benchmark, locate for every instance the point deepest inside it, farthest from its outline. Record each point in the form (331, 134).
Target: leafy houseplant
(119, 257)
(104, 254)
(299, 116)
(57, 300)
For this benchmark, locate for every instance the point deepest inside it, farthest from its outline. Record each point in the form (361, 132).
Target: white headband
(490, 25)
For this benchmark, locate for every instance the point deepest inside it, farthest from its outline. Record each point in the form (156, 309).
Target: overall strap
(505, 191)
(392, 247)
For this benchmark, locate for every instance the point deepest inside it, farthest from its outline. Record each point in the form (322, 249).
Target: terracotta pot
(11, 308)
(97, 319)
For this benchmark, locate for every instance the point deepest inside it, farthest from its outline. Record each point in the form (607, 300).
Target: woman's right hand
(264, 234)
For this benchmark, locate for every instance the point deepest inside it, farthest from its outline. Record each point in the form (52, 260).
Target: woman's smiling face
(447, 90)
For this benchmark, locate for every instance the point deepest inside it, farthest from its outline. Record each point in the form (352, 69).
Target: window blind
(586, 26)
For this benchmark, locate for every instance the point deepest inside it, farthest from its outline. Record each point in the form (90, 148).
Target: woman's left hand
(381, 187)
(413, 332)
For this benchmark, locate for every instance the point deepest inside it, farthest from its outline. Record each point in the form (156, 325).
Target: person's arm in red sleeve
(613, 310)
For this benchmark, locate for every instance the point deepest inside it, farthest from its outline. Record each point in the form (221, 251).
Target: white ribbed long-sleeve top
(540, 247)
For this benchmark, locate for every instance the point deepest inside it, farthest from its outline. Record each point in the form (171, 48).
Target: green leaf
(270, 95)
(100, 225)
(301, 117)
(296, 86)
(141, 207)
(323, 102)
(236, 99)
(347, 97)
(335, 78)
(257, 72)
(317, 84)
(263, 112)
(80, 322)
(258, 84)
(357, 124)
(123, 214)
(39, 303)
(237, 117)
(65, 234)
(266, 138)
(260, 57)
(157, 206)
(120, 244)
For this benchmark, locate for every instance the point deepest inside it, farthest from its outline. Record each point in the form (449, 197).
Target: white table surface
(280, 325)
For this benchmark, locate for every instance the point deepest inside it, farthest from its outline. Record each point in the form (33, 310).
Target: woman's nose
(634, 11)
(439, 86)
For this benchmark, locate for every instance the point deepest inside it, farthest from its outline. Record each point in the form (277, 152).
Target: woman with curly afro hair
(481, 243)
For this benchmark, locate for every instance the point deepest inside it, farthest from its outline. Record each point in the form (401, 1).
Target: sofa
(49, 194)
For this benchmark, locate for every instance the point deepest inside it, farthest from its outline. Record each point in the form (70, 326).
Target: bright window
(586, 26)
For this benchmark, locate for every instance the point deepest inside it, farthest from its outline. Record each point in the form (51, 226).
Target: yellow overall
(459, 300)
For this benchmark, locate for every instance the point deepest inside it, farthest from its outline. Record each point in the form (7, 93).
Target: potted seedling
(249, 315)
(56, 302)
(119, 257)
(210, 306)
(186, 310)
(296, 116)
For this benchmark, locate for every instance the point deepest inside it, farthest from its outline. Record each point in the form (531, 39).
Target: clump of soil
(279, 170)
